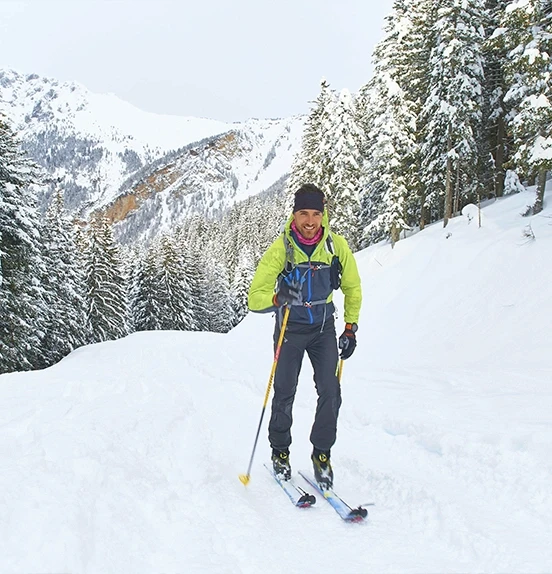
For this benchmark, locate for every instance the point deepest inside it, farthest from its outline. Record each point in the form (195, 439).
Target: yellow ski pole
(339, 371)
(244, 478)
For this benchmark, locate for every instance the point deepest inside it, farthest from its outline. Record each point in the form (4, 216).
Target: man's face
(308, 222)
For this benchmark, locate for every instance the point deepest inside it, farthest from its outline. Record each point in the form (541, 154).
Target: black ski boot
(323, 473)
(280, 464)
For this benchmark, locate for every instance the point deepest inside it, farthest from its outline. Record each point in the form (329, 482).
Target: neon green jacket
(317, 285)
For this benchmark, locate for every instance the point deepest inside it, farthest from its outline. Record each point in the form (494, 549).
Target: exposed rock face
(145, 172)
(204, 178)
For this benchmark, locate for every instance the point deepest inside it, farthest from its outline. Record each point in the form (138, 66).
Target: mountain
(108, 155)
(206, 177)
(124, 457)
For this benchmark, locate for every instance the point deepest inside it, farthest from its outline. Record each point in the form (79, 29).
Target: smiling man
(306, 264)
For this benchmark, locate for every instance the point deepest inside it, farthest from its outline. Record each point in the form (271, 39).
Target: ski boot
(280, 464)
(323, 473)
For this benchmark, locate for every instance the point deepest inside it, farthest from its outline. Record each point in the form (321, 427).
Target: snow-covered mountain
(205, 177)
(124, 457)
(99, 148)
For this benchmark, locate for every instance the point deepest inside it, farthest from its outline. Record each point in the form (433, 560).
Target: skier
(306, 263)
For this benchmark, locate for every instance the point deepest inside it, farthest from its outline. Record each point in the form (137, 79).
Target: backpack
(335, 266)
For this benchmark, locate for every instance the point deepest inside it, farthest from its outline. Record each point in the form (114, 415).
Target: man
(306, 263)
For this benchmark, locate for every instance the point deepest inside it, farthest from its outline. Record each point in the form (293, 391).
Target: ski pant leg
(285, 386)
(323, 354)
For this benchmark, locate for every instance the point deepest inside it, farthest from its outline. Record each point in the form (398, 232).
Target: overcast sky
(222, 59)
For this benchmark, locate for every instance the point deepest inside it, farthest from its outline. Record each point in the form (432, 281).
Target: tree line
(458, 109)
(64, 284)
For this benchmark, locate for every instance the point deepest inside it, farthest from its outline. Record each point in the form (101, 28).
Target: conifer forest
(457, 111)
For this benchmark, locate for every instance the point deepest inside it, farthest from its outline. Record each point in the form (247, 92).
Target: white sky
(223, 60)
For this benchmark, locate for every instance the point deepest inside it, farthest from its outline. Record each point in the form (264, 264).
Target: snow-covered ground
(124, 457)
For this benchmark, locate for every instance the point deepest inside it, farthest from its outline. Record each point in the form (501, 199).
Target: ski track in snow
(125, 456)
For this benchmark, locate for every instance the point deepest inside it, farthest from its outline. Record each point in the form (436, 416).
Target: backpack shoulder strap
(290, 257)
(330, 244)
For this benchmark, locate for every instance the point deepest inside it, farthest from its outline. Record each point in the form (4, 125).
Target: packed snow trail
(125, 456)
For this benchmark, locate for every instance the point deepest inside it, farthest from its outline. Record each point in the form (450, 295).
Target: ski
(347, 513)
(296, 494)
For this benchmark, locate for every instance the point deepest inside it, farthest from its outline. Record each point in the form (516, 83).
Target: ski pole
(339, 371)
(244, 478)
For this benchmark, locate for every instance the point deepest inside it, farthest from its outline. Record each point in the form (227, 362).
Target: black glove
(289, 293)
(347, 341)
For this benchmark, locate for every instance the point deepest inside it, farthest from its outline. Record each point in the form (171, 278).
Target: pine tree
(494, 135)
(526, 35)
(313, 162)
(219, 311)
(241, 282)
(343, 140)
(107, 297)
(191, 247)
(415, 34)
(172, 288)
(22, 307)
(143, 296)
(389, 119)
(65, 295)
(452, 112)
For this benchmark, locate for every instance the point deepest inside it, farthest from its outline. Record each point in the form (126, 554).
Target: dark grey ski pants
(321, 348)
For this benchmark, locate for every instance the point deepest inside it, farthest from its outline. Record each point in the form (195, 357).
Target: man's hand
(347, 341)
(289, 293)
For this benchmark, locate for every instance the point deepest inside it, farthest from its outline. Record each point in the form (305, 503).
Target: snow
(542, 150)
(253, 173)
(117, 127)
(100, 116)
(516, 5)
(124, 457)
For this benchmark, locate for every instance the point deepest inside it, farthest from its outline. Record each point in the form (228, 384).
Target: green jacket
(317, 286)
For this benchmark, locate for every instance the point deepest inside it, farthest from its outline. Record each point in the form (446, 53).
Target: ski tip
(244, 479)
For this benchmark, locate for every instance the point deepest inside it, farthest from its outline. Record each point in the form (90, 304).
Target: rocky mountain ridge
(147, 172)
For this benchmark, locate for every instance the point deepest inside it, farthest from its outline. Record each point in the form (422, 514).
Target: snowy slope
(92, 145)
(110, 137)
(125, 456)
(205, 179)
(25, 98)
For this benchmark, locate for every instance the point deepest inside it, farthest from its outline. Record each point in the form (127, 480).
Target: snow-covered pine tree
(219, 312)
(64, 285)
(22, 306)
(243, 275)
(227, 245)
(452, 111)
(191, 243)
(144, 307)
(342, 145)
(370, 182)
(172, 290)
(313, 164)
(527, 36)
(106, 284)
(389, 120)
(416, 35)
(494, 136)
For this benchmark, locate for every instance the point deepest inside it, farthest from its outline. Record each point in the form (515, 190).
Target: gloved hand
(347, 341)
(289, 293)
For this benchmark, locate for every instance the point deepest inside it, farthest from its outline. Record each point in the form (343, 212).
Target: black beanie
(309, 197)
